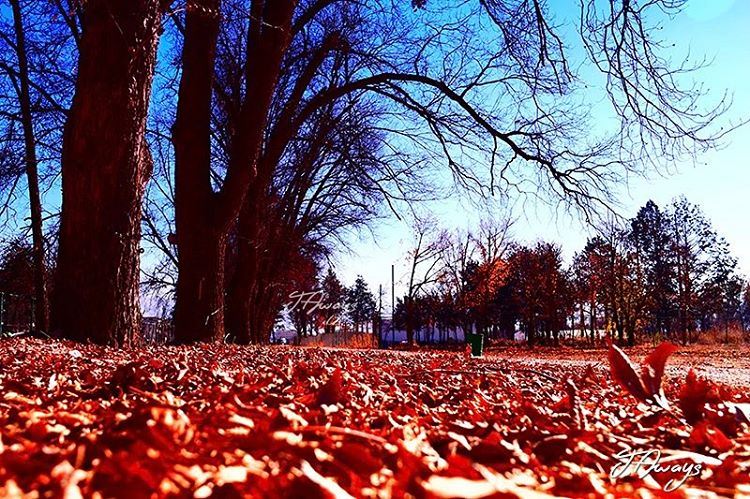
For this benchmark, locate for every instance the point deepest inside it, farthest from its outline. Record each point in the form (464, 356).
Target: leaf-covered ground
(728, 364)
(291, 422)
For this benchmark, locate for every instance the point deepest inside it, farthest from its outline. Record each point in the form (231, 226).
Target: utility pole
(393, 302)
(380, 316)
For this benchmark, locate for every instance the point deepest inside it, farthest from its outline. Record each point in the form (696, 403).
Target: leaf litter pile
(81, 420)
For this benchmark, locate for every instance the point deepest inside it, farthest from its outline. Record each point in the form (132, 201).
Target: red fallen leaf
(652, 369)
(624, 372)
(460, 465)
(131, 375)
(574, 408)
(741, 412)
(358, 457)
(491, 450)
(693, 396)
(389, 438)
(156, 363)
(332, 391)
(725, 475)
(38, 430)
(589, 375)
(705, 436)
(551, 449)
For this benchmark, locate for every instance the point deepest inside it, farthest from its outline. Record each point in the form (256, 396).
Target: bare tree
(39, 53)
(32, 174)
(424, 269)
(502, 112)
(203, 217)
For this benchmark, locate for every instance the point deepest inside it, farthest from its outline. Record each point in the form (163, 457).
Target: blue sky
(718, 181)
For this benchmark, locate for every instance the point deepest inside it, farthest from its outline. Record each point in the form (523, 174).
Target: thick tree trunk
(201, 285)
(272, 276)
(261, 321)
(243, 285)
(105, 165)
(199, 308)
(253, 295)
(238, 318)
(253, 299)
(32, 176)
(202, 215)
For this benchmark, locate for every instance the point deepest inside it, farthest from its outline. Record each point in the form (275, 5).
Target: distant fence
(157, 331)
(17, 313)
(341, 339)
(18, 316)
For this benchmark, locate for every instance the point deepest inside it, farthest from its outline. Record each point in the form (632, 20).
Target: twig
(342, 431)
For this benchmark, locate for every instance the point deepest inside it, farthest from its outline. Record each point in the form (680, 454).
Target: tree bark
(239, 323)
(201, 286)
(245, 280)
(204, 217)
(32, 175)
(199, 308)
(105, 165)
(254, 294)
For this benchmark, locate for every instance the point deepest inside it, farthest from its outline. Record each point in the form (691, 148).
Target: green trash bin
(477, 343)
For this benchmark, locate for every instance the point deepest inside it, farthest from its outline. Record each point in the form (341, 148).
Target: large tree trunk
(238, 318)
(262, 313)
(32, 174)
(105, 165)
(199, 308)
(242, 288)
(263, 259)
(202, 216)
(252, 305)
(201, 286)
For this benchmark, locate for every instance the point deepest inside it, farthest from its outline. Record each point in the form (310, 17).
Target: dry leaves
(284, 422)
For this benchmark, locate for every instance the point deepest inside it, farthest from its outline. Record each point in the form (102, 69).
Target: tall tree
(105, 165)
(704, 268)
(360, 304)
(203, 217)
(424, 270)
(334, 295)
(589, 278)
(623, 283)
(651, 235)
(23, 88)
(434, 89)
(330, 182)
(493, 243)
(540, 291)
(37, 64)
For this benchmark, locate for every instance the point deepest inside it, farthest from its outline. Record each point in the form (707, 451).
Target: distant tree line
(665, 273)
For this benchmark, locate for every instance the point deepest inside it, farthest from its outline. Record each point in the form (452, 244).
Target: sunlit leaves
(232, 421)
